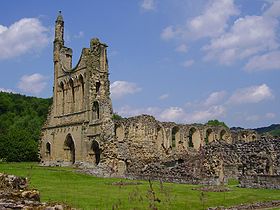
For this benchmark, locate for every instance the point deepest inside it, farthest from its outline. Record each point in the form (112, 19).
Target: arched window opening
(97, 87)
(194, 138)
(95, 148)
(81, 79)
(72, 90)
(192, 131)
(174, 136)
(69, 149)
(48, 149)
(160, 137)
(95, 110)
(209, 136)
(253, 137)
(62, 97)
(223, 135)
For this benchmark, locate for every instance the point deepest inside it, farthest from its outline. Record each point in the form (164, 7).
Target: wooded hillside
(21, 119)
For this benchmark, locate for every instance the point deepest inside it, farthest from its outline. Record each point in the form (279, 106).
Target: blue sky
(181, 60)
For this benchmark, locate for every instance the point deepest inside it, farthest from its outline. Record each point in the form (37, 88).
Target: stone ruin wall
(80, 130)
(142, 141)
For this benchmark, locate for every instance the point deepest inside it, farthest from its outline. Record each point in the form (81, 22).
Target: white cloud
(188, 63)
(148, 4)
(268, 61)
(34, 83)
(274, 10)
(213, 20)
(169, 33)
(25, 35)
(215, 98)
(7, 90)
(248, 36)
(121, 88)
(163, 97)
(182, 48)
(211, 23)
(203, 116)
(253, 94)
(173, 114)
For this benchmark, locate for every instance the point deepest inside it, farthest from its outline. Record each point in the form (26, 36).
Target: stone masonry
(80, 130)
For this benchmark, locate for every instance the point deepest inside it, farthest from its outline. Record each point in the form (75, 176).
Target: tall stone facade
(80, 129)
(80, 116)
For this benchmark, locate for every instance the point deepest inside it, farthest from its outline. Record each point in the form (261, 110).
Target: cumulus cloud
(268, 61)
(274, 9)
(169, 33)
(202, 116)
(248, 36)
(120, 89)
(215, 98)
(173, 114)
(253, 94)
(148, 4)
(34, 83)
(213, 20)
(25, 35)
(211, 23)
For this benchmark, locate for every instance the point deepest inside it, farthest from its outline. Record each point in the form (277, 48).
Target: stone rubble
(15, 194)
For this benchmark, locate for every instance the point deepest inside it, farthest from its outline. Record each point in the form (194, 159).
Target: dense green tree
(216, 123)
(116, 116)
(21, 119)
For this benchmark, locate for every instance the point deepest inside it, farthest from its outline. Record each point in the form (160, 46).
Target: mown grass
(88, 192)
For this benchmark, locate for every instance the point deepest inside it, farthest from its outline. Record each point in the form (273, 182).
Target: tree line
(21, 120)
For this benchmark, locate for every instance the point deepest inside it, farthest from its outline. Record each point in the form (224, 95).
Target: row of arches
(191, 138)
(69, 150)
(71, 94)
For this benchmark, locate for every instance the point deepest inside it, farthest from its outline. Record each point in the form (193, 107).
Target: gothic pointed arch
(62, 98)
(209, 136)
(48, 149)
(175, 136)
(194, 138)
(69, 149)
(223, 135)
(96, 150)
(95, 110)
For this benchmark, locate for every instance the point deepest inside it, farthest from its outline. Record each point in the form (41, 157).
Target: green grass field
(88, 192)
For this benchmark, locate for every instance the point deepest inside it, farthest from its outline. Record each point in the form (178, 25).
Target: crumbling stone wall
(80, 130)
(219, 161)
(260, 181)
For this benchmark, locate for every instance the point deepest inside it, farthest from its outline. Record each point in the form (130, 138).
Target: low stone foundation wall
(261, 181)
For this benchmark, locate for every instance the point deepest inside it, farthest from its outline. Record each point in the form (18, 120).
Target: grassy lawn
(88, 192)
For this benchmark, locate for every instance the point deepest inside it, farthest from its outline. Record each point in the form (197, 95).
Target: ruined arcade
(80, 129)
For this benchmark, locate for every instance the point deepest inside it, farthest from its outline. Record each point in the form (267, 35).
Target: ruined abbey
(80, 130)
